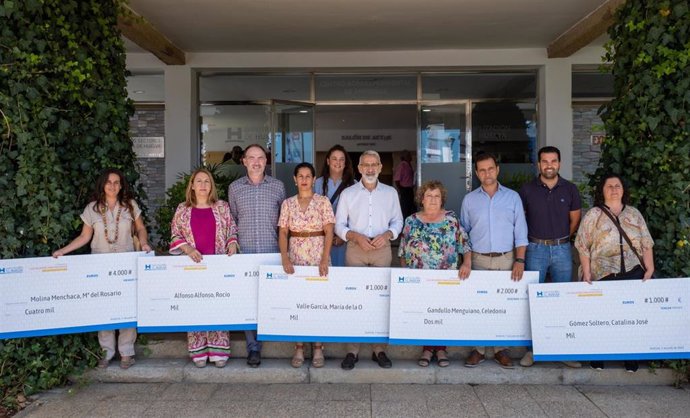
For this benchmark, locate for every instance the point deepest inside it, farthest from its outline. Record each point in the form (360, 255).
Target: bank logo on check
(11, 270)
(548, 294)
(276, 276)
(154, 267)
(406, 279)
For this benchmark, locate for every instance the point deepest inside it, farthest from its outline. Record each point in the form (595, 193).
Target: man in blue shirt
(553, 208)
(494, 219)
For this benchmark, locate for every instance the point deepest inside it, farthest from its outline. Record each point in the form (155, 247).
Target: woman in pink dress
(306, 235)
(203, 225)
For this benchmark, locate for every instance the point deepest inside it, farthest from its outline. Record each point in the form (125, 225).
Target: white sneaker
(573, 364)
(527, 360)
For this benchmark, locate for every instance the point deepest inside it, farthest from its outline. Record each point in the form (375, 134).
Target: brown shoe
(474, 359)
(502, 358)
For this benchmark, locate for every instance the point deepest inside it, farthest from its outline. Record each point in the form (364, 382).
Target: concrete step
(403, 371)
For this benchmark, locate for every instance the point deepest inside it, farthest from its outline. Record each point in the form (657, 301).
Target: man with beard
(493, 217)
(368, 219)
(553, 209)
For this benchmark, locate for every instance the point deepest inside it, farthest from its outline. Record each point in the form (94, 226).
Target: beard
(370, 179)
(549, 174)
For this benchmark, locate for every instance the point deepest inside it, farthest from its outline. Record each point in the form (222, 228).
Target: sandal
(317, 359)
(425, 359)
(442, 358)
(298, 358)
(103, 363)
(126, 362)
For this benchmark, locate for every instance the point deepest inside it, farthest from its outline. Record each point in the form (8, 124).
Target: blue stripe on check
(68, 330)
(462, 343)
(189, 328)
(616, 356)
(321, 339)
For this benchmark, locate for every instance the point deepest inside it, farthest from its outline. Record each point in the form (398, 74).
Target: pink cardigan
(226, 230)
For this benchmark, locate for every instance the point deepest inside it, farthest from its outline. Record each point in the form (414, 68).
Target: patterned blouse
(598, 238)
(181, 229)
(306, 251)
(433, 245)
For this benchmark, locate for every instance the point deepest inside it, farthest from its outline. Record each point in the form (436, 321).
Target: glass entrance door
(445, 150)
(292, 139)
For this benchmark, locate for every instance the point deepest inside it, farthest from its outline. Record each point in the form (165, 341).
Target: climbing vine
(63, 118)
(648, 134)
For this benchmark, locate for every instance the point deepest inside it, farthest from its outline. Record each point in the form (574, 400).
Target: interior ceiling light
(138, 92)
(303, 111)
(426, 110)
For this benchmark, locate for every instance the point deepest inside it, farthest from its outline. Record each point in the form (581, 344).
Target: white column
(181, 117)
(555, 110)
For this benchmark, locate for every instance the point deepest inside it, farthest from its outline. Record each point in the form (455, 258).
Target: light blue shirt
(494, 224)
(368, 213)
(331, 187)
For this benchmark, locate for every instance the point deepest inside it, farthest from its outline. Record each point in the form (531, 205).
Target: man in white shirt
(368, 219)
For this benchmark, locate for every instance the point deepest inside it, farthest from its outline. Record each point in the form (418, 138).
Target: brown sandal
(442, 358)
(317, 358)
(298, 358)
(127, 362)
(425, 359)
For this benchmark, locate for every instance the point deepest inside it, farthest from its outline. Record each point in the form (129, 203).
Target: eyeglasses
(374, 165)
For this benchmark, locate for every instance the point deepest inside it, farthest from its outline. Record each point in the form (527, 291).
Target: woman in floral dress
(306, 234)
(203, 225)
(433, 239)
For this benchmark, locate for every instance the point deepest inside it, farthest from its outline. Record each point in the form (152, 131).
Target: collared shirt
(369, 213)
(256, 208)
(548, 210)
(494, 224)
(404, 174)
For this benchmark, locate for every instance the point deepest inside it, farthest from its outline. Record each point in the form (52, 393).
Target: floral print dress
(306, 251)
(433, 245)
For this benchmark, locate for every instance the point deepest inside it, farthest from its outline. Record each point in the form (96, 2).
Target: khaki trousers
(483, 262)
(356, 257)
(125, 342)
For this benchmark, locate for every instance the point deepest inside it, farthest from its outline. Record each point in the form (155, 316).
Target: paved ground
(359, 400)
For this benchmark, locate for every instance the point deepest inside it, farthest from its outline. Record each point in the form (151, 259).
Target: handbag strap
(615, 221)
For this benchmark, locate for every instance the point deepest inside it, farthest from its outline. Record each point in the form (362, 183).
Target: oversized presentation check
(434, 307)
(70, 294)
(350, 305)
(623, 320)
(218, 293)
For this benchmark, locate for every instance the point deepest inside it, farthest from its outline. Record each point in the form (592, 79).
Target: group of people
(335, 221)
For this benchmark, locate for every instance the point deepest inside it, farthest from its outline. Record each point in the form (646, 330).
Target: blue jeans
(555, 259)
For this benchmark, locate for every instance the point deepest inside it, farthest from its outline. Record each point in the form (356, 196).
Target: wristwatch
(520, 260)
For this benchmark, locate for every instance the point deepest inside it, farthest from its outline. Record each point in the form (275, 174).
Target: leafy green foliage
(176, 195)
(648, 134)
(648, 137)
(64, 116)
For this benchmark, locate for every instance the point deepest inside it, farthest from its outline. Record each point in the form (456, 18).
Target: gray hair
(372, 153)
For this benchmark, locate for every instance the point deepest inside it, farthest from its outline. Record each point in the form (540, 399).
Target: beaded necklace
(117, 223)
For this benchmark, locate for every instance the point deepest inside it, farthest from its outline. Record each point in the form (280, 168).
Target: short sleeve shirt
(548, 210)
(120, 232)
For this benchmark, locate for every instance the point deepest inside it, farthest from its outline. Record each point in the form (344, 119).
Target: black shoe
(254, 359)
(382, 360)
(349, 361)
(631, 366)
(596, 365)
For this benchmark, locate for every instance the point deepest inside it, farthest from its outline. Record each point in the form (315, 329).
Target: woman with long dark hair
(336, 175)
(108, 222)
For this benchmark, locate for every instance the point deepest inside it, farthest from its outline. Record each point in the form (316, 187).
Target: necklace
(117, 223)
